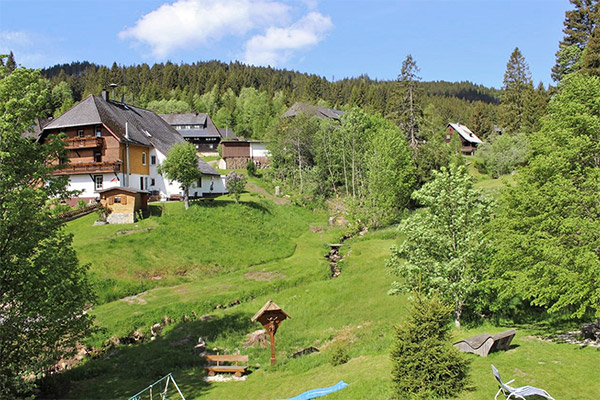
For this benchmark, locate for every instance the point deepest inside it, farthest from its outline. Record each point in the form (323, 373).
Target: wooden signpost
(271, 316)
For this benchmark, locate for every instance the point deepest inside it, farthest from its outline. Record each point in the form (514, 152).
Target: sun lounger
(485, 343)
(521, 392)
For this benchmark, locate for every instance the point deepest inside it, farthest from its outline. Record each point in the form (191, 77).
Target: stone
(277, 191)
(258, 337)
(156, 329)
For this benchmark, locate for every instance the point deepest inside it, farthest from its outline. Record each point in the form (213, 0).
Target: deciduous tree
(547, 230)
(44, 292)
(181, 165)
(444, 247)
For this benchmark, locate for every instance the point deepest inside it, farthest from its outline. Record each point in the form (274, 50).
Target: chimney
(104, 94)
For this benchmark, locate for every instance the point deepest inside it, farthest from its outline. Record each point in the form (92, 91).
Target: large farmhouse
(468, 139)
(114, 144)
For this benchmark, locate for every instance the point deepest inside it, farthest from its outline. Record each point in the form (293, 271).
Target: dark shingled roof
(205, 168)
(145, 127)
(308, 109)
(206, 128)
(37, 127)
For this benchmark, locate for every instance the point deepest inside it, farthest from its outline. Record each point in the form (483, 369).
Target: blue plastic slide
(311, 394)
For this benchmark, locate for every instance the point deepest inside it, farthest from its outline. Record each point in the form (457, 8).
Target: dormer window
(80, 133)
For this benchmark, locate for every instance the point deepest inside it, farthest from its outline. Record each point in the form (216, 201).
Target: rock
(205, 318)
(303, 352)
(201, 346)
(156, 329)
(331, 221)
(258, 337)
(167, 320)
(277, 191)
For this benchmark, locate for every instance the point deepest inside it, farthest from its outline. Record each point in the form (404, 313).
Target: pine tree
(579, 24)
(424, 363)
(11, 64)
(405, 100)
(590, 62)
(516, 87)
(481, 123)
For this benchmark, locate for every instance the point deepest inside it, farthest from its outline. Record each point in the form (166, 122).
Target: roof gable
(465, 132)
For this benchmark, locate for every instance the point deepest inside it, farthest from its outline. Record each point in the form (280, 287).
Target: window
(80, 133)
(141, 183)
(117, 199)
(146, 182)
(98, 182)
(152, 160)
(98, 131)
(97, 157)
(143, 158)
(199, 183)
(152, 182)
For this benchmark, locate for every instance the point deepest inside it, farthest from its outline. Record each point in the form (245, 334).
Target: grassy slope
(212, 237)
(352, 310)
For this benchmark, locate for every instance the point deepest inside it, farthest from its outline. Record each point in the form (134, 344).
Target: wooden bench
(237, 369)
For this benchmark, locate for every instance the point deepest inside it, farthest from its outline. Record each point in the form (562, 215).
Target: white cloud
(188, 23)
(277, 45)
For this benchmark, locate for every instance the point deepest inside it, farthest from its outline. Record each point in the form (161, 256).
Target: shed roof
(123, 189)
(308, 109)
(465, 132)
(145, 127)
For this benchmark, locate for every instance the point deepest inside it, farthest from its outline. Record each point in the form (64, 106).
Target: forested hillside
(235, 93)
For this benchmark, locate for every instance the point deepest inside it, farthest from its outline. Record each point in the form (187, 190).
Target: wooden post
(272, 335)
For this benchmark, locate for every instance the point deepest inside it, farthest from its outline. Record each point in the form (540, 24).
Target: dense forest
(219, 88)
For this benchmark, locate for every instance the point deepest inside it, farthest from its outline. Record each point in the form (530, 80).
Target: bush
(251, 168)
(425, 365)
(235, 184)
(338, 356)
(504, 154)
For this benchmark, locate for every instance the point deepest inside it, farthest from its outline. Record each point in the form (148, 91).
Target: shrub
(338, 356)
(504, 154)
(251, 168)
(425, 365)
(235, 184)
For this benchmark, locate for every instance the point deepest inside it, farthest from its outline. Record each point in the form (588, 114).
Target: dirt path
(253, 187)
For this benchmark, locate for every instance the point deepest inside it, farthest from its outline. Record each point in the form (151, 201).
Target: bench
(237, 369)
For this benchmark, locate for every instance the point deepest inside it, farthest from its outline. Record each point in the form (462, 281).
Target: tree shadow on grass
(224, 203)
(125, 370)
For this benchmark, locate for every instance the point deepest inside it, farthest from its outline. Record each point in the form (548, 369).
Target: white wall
(218, 186)
(258, 149)
(85, 183)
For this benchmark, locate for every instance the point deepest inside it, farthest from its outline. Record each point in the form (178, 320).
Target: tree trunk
(186, 196)
(457, 314)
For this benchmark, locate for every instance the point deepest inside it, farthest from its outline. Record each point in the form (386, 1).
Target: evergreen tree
(579, 24)
(11, 64)
(516, 88)
(406, 100)
(590, 62)
(481, 123)
(425, 365)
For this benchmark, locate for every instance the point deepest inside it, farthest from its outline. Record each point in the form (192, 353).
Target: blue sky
(451, 40)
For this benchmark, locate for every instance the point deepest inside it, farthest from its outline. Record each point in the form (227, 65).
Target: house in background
(198, 129)
(114, 144)
(313, 111)
(468, 139)
(236, 153)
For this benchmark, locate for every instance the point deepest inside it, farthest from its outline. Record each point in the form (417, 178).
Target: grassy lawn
(352, 311)
(174, 246)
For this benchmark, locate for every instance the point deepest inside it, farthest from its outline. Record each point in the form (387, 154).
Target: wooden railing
(84, 142)
(90, 168)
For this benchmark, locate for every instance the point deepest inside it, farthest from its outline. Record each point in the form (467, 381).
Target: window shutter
(124, 200)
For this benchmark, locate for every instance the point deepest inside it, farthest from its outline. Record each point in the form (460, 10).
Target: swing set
(161, 391)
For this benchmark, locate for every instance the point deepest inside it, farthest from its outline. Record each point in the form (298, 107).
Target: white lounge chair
(517, 393)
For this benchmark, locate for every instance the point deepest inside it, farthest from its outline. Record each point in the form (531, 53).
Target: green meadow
(219, 262)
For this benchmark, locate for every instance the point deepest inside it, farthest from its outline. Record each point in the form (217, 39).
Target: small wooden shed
(125, 204)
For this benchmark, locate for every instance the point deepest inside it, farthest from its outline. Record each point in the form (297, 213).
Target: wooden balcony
(90, 168)
(84, 142)
(469, 150)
